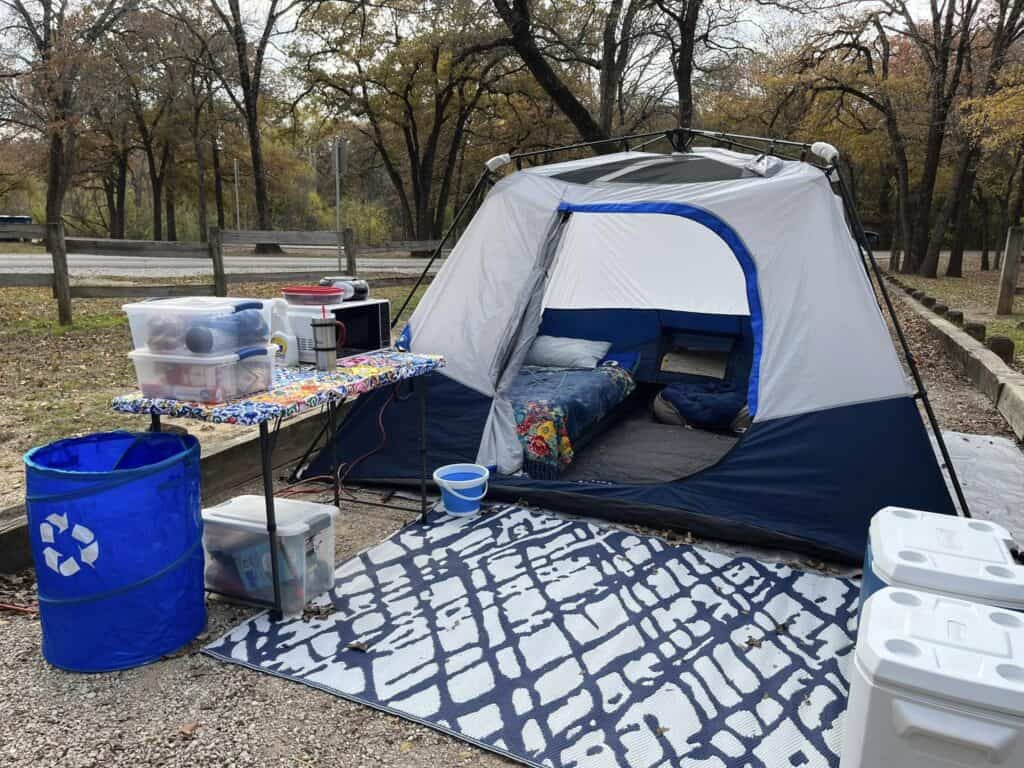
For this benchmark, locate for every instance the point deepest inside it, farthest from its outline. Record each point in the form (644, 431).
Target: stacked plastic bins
(938, 673)
(238, 550)
(201, 349)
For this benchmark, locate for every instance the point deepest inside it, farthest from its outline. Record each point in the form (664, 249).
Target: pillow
(627, 361)
(563, 352)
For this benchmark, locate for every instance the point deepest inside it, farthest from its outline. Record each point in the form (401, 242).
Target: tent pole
(864, 247)
(485, 176)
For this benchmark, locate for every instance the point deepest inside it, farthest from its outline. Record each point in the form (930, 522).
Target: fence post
(1008, 273)
(350, 251)
(213, 245)
(61, 280)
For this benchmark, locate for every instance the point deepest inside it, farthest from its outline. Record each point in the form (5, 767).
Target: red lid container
(313, 294)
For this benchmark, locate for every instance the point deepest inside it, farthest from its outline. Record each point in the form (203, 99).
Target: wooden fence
(60, 246)
(1008, 288)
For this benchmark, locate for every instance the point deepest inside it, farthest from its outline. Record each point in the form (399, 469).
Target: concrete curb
(990, 375)
(224, 466)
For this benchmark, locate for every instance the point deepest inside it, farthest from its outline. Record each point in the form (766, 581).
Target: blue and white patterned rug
(560, 642)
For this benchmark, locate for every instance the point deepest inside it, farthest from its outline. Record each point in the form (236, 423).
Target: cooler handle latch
(918, 722)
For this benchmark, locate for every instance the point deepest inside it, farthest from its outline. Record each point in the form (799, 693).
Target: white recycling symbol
(67, 565)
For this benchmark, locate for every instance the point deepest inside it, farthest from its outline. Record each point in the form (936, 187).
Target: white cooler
(943, 554)
(935, 683)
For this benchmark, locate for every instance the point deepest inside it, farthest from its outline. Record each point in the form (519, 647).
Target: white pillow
(564, 352)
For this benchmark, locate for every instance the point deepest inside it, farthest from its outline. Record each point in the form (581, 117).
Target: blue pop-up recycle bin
(116, 531)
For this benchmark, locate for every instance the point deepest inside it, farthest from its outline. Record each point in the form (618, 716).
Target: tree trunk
(120, 196)
(984, 223)
(200, 187)
(56, 179)
(172, 224)
(108, 195)
(896, 245)
(259, 178)
(218, 184)
(955, 268)
(156, 185)
(959, 196)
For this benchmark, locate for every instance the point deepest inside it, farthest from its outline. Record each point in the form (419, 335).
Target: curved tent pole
(922, 393)
(484, 177)
(681, 134)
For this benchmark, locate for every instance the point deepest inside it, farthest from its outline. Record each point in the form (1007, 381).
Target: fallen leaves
(188, 730)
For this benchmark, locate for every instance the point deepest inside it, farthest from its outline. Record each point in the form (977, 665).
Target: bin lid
(293, 517)
(195, 304)
(144, 353)
(956, 556)
(944, 648)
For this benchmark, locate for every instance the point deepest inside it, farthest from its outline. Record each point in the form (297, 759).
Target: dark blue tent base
(809, 482)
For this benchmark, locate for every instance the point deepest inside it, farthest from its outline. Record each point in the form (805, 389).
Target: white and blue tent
(748, 254)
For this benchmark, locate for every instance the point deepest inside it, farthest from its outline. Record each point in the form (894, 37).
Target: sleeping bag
(704, 404)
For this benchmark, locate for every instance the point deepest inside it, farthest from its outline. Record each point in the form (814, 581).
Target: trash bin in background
(116, 531)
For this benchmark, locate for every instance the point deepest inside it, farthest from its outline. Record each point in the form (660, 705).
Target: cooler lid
(942, 553)
(293, 517)
(944, 648)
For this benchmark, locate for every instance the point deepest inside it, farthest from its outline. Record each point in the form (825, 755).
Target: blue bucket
(463, 486)
(116, 531)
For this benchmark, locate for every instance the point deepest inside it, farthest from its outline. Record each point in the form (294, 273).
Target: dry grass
(11, 247)
(58, 381)
(975, 295)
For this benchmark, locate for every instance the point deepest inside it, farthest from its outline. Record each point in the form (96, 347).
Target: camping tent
(717, 255)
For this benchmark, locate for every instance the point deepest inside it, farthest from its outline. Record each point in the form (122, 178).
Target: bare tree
(415, 83)
(1001, 25)
(49, 46)
(856, 58)
(244, 84)
(602, 38)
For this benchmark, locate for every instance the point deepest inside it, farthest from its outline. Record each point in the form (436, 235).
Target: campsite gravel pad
(561, 642)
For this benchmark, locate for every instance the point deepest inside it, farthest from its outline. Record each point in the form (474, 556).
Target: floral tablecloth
(294, 390)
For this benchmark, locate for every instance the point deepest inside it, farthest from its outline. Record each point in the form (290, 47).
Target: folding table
(295, 391)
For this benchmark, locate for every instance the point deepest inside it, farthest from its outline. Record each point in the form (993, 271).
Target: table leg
(332, 422)
(420, 383)
(268, 496)
(154, 422)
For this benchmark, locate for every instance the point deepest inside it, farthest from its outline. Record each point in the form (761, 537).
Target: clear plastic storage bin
(199, 325)
(206, 379)
(238, 552)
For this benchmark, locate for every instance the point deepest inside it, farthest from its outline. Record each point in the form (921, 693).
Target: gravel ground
(957, 404)
(190, 710)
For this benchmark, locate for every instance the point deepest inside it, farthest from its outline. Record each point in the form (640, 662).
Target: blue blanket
(554, 407)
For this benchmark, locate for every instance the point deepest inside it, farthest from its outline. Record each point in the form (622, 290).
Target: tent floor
(639, 449)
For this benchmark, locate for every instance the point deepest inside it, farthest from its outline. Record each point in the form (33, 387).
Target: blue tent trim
(731, 239)
(809, 482)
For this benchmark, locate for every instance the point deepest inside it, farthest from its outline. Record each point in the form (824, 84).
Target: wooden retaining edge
(988, 373)
(224, 466)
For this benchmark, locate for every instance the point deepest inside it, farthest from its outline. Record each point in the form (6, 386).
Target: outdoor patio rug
(560, 642)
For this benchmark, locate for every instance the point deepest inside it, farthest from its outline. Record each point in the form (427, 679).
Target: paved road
(141, 266)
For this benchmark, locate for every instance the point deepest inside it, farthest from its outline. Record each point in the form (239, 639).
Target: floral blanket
(555, 406)
(295, 390)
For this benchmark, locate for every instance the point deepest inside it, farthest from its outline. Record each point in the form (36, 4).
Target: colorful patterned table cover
(295, 390)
